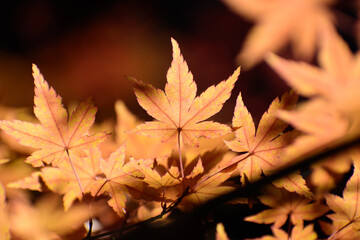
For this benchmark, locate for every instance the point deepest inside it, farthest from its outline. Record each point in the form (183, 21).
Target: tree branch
(185, 223)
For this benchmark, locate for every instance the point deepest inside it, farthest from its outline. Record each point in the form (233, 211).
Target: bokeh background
(86, 48)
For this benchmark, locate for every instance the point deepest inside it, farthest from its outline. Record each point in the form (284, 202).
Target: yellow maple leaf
(298, 232)
(115, 178)
(286, 205)
(346, 219)
(62, 179)
(333, 101)
(46, 220)
(260, 150)
(57, 136)
(295, 21)
(336, 82)
(150, 148)
(177, 111)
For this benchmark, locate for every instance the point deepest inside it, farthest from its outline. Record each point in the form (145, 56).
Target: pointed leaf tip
(176, 48)
(35, 69)
(237, 72)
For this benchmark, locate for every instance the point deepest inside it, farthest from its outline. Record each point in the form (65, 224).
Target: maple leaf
(62, 179)
(296, 21)
(115, 178)
(260, 150)
(56, 135)
(154, 177)
(336, 82)
(207, 187)
(324, 175)
(177, 111)
(346, 219)
(314, 119)
(332, 104)
(286, 205)
(98, 176)
(202, 181)
(298, 232)
(46, 220)
(150, 148)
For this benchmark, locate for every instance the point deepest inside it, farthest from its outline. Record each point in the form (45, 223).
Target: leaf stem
(75, 173)
(180, 156)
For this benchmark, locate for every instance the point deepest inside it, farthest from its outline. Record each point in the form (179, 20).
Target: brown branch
(186, 222)
(120, 232)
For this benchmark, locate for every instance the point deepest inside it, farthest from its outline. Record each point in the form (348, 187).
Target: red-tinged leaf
(306, 79)
(335, 56)
(153, 178)
(197, 170)
(298, 232)
(32, 182)
(336, 82)
(346, 219)
(150, 148)
(286, 205)
(299, 22)
(56, 136)
(260, 150)
(47, 220)
(115, 176)
(177, 110)
(62, 180)
(205, 186)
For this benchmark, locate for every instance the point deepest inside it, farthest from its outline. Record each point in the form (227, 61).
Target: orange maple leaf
(286, 205)
(333, 101)
(178, 112)
(115, 177)
(56, 134)
(346, 219)
(62, 180)
(46, 220)
(298, 232)
(260, 150)
(336, 81)
(201, 179)
(296, 21)
(127, 121)
(97, 176)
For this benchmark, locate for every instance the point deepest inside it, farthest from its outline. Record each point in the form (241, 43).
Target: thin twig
(187, 220)
(165, 211)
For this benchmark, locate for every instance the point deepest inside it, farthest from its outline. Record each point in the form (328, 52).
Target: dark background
(86, 47)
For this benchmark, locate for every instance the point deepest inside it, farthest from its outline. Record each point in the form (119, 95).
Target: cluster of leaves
(146, 169)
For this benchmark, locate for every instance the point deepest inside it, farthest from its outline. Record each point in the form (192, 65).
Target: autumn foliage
(66, 176)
